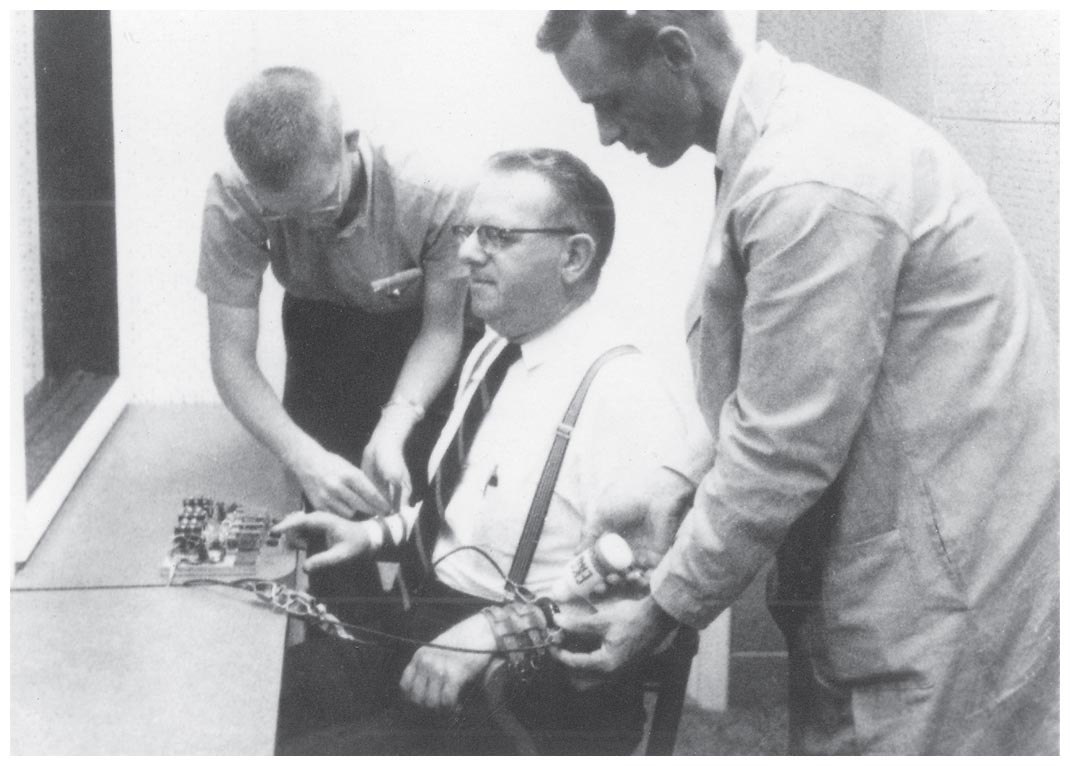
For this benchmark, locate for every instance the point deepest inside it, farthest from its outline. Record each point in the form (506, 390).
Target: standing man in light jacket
(873, 361)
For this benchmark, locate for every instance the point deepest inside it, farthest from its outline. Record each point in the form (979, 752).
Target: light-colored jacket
(874, 363)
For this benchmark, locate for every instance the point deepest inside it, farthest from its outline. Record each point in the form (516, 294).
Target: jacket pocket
(872, 614)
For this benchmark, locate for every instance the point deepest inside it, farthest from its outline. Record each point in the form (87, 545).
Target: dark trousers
(342, 698)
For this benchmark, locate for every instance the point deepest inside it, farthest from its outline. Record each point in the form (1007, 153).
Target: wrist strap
(389, 545)
(523, 632)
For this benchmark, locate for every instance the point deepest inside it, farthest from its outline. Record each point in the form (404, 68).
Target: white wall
(997, 99)
(459, 85)
(25, 240)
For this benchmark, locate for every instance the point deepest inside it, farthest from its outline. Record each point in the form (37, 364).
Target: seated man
(539, 229)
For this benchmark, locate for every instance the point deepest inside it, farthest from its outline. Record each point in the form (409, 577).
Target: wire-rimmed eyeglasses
(324, 213)
(495, 237)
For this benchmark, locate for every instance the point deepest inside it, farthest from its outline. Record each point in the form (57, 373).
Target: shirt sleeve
(630, 424)
(234, 249)
(432, 196)
(447, 208)
(692, 456)
(820, 268)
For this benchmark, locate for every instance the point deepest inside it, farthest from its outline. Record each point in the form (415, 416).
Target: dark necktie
(415, 558)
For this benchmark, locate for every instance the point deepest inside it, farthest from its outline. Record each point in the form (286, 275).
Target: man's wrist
(296, 454)
(405, 406)
(523, 632)
(657, 616)
(377, 533)
(396, 422)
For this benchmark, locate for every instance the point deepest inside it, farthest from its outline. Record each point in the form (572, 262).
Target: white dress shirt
(629, 423)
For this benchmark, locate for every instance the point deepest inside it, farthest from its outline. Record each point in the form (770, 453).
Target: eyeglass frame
(334, 209)
(486, 234)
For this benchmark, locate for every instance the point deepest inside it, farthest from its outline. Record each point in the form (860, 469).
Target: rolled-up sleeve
(820, 268)
(233, 254)
(440, 255)
(433, 208)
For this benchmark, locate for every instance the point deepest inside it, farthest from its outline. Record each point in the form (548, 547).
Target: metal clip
(522, 594)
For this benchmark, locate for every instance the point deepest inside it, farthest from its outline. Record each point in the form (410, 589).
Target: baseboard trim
(41, 507)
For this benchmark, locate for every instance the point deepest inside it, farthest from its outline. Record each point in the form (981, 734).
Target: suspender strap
(540, 504)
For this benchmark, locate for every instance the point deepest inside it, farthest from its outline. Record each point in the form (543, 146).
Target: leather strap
(540, 504)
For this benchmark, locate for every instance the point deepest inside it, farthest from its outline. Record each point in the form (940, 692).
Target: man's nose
(609, 131)
(470, 252)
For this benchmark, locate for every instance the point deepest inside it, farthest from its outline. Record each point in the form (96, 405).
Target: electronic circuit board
(223, 541)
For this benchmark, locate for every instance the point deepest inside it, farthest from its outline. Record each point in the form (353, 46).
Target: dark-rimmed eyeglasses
(495, 237)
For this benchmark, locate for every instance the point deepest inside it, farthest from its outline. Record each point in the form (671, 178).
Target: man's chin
(485, 312)
(662, 158)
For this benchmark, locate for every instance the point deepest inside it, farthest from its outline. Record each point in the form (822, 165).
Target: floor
(756, 721)
(736, 731)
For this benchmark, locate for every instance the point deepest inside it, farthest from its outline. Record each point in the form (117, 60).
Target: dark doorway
(76, 182)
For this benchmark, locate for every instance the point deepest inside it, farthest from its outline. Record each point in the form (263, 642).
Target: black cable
(480, 551)
(240, 585)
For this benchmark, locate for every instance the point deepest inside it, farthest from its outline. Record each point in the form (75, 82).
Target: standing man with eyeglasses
(873, 360)
(332, 213)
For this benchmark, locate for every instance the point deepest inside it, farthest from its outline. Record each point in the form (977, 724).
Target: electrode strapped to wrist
(523, 625)
(523, 632)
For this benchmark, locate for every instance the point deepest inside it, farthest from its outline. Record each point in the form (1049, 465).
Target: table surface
(105, 658)
(143, 671)
(115, 527)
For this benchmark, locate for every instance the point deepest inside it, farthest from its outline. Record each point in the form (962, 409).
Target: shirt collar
(731, 107)
(759, 80)
(360, 150)
(565, 338)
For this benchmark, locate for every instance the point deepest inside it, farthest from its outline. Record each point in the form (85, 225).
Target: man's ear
(675, 46)
(577, 258)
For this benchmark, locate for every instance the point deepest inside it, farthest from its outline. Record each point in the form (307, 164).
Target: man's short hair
(631, 33)
(582, 193)
(279, 122)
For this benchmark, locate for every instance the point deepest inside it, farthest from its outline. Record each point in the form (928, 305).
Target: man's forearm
(428, 365)
(248, 395)
(436, 348)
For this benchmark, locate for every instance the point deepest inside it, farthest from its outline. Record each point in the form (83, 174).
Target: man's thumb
(589, 536)
(326, 558)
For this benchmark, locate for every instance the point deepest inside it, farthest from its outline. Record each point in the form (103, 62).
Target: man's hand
(646, 510)
(436, 677)
(332, 483)
(627, 628)
(345, 539)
